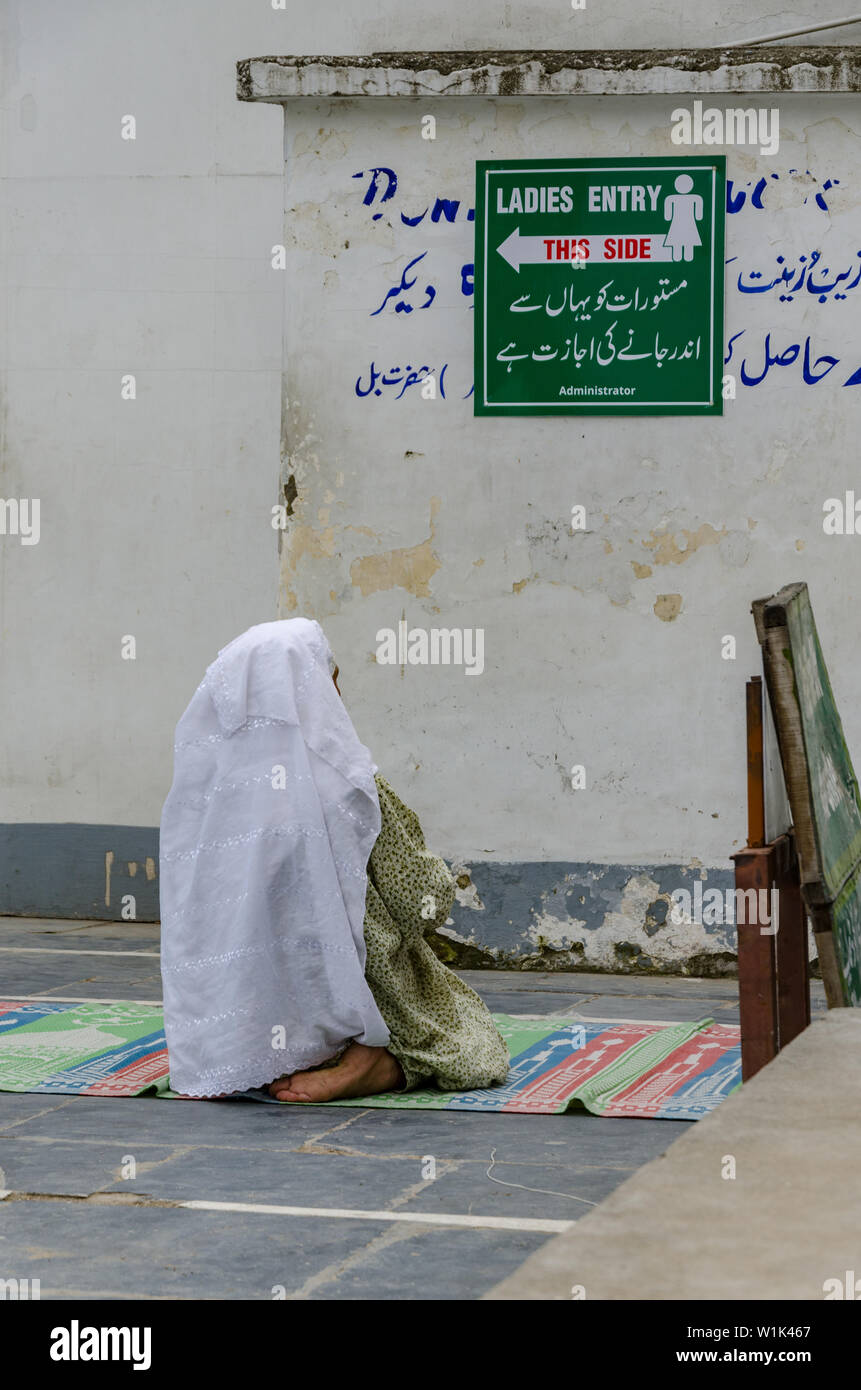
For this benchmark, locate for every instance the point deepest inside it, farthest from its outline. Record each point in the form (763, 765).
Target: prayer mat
(72, 1049)
(675, 1071)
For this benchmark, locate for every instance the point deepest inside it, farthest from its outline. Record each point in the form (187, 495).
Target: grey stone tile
(583, 982)
(81, 974)
(278, 1176)
(39, 925)
(45, 934)
(187, 1173)
(433, 1263)
(537, 1003)
(19, 1108)
(561, 1192)
(220, 1130)
(69, 1169)
(174, 1121)
(661, 1010)
(448, 1134)
(76, 1248)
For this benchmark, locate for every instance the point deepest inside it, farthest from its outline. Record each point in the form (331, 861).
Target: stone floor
(75, 1223)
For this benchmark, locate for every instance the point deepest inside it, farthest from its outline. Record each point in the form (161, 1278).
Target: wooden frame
(773, 970)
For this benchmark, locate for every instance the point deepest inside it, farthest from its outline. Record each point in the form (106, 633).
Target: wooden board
(820, 783)
(778, 816)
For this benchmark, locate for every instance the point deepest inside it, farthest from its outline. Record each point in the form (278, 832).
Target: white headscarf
(265, 838)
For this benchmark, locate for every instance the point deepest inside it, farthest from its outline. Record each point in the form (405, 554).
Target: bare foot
(361, 1071)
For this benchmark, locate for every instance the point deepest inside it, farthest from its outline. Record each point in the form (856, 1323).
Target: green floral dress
(441, 1032)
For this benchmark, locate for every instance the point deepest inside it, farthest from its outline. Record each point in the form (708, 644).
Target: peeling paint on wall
(609, 551)
(636, 935)
(407, 567)
(588, 918)
(666, 549)
(668, 607)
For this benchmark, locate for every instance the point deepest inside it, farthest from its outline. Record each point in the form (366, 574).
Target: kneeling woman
(295, 892)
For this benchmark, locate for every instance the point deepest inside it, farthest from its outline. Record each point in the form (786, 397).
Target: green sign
(820, 782)
(599, 286)
(834, 797)
(846, 926)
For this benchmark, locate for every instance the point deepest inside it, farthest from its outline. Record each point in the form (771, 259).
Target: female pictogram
(683, 210)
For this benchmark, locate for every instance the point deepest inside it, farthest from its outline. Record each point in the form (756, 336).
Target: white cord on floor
(543, 1190)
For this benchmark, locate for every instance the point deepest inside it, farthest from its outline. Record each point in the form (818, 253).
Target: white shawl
(265, 838)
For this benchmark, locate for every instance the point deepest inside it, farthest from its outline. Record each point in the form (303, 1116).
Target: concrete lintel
(619, 72)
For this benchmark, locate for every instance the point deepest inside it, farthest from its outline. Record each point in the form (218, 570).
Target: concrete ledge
(788, 1222)
(623, 72)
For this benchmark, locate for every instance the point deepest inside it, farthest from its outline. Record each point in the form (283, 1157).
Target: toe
(287, 1094)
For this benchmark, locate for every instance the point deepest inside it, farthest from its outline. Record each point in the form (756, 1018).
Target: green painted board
(820, 782)
(846, 927)
(599, 286)
(833, 787)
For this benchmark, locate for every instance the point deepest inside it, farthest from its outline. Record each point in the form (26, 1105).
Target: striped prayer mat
(676, 1071)
(73, 1049)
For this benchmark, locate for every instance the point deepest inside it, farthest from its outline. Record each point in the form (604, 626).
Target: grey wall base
(525, 915)
(85, 871)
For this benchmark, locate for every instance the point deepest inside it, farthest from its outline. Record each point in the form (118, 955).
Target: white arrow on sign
(532, 250)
